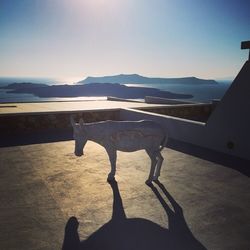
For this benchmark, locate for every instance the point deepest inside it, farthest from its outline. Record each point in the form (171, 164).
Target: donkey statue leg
(112, 158)
(158, 166)
(153, 158)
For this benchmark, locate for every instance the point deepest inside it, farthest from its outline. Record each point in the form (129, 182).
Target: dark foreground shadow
(139, 234)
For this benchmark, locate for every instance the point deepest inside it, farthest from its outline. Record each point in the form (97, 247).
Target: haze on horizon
(73, 39)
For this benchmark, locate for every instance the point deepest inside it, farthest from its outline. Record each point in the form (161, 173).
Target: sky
(73, 39)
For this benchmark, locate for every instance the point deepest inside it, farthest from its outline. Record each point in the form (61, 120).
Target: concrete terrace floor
(65, 106)
(43, 185)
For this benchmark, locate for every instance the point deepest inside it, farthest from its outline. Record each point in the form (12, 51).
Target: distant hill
(23, 85)
(134, 78)
(9, 80)
(94, 89)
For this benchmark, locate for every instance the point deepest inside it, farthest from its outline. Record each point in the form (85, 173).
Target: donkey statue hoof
(110, 178)
(155, 178)
(148, 182)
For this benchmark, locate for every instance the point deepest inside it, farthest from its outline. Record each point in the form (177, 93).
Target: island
(92, 89)
(138, 79)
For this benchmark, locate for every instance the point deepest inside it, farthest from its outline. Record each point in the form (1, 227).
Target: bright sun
(97, 4)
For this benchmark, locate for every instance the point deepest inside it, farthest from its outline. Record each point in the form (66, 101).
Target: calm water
(203, 93)
(13, 97)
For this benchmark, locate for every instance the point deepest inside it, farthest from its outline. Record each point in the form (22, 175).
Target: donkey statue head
(79, 135)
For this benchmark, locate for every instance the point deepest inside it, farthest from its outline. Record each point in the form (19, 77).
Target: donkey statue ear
(81, 122)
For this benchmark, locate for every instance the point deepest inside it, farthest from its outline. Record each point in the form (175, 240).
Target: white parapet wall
(193, 132)
(160, 100)
(176, 128)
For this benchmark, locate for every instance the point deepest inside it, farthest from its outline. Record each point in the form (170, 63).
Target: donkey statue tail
(164, 143)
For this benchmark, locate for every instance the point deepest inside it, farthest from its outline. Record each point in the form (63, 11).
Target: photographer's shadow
(139, 234)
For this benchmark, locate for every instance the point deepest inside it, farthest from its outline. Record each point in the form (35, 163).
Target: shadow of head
(138, 233)
(71, 237)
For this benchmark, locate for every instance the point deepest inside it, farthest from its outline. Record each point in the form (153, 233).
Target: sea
(201, 92)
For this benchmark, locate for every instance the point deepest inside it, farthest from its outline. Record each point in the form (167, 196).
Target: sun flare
(96, 4)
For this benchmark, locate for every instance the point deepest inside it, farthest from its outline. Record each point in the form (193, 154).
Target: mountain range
(108, 86)
(138, 79)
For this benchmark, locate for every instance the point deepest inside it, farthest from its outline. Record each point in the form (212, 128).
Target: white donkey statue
(126, 136)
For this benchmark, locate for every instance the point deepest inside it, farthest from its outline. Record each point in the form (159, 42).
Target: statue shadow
(135, 233)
